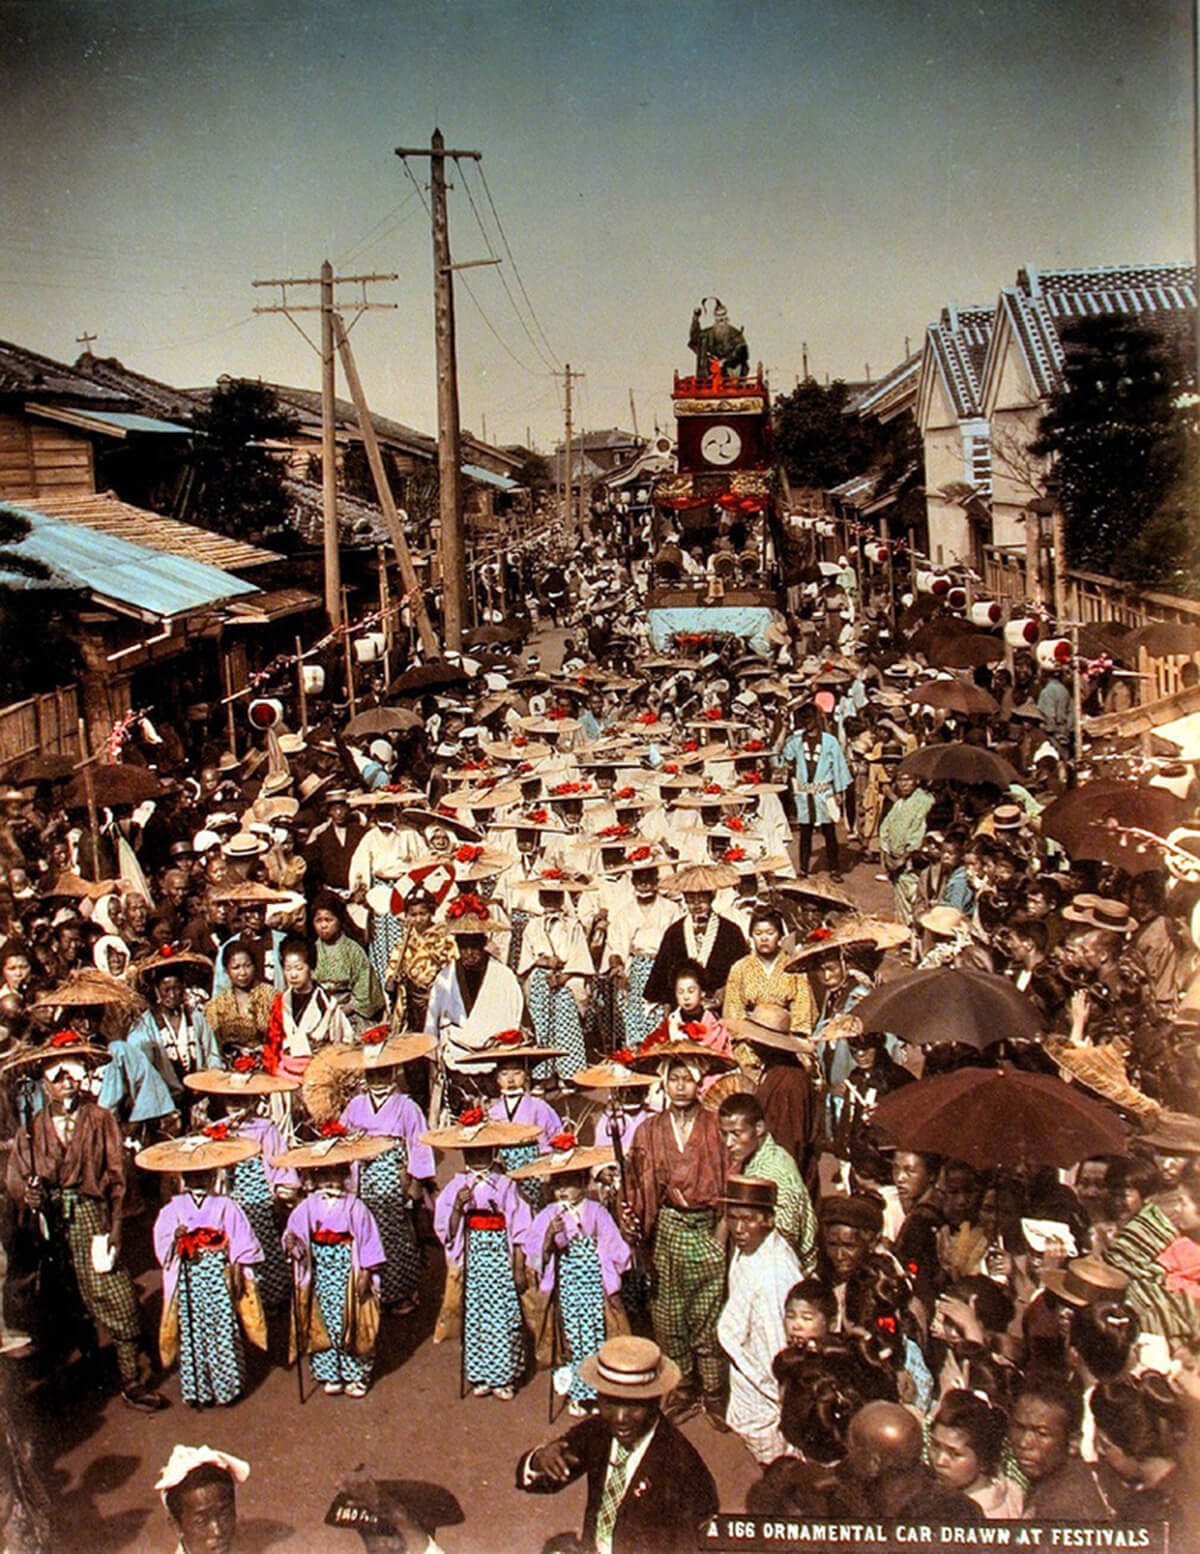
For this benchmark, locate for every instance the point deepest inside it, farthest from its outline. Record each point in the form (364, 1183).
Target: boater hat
(749, 1192)
(1085, 1281)
(1098, 912)
(630, 1367)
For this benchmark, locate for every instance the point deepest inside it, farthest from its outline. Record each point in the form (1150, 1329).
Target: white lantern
(313, 677)
(1022, 631)
(985, 612)
(265, 712)
(368, 648)
(1054, 653)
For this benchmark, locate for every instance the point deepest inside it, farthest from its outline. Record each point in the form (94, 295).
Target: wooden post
(227, 680)
(385, 617)
(454, 605)
(349, 660)
(303, 694)
(387, 502)
(1060, 563)
(333, 565)
(89, 789)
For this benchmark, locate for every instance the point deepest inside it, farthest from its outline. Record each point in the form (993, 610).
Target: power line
(369, 236)
(534, 372)
(513, 262)
(547, 361)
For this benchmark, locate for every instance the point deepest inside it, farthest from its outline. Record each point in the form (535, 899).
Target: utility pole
(327, 280)
(633, 412)
(568, 378)
(804, 359)
(453, 549)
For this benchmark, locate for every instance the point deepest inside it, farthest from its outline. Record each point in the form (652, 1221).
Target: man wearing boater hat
(647, 1487)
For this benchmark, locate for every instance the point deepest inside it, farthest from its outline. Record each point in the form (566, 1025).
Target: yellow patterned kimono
(749, 984)
(412, 968)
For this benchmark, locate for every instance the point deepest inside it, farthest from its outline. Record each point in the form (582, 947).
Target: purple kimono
(271, 1143)
(587, 1218)
(627, 1125)
(342, 1213)
(530, 1109)
(492, 1194)
(214, 1213)
(399, 1117)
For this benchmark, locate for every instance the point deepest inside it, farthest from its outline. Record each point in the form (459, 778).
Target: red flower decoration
(66, 1039)
(563, 1141)
(615, 831)
(913, 1269)
(468, 905)
(333, 1129)
(694, 1030)
(558, 712)
(471, 1118)
(691, 744)
(375, 1035)
(564, 790)
(712, 787)
(672, 767)
(886, 1324)
(648, 717)
(538, 816)
(218, 1131)
(625, 793)
(525, 766)
(712, 713)
(167, 950)
(468, 853)
(639, 854)
(520, 742)
(553, 874)
(819, 935)
(752, 777)
(735, 854)
(246, 1063)
(736, 823)
(623, 1056)
(752, 746)
(507, 1039)
(444, 809)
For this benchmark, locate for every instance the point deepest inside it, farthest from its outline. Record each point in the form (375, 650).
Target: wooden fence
(48, 724)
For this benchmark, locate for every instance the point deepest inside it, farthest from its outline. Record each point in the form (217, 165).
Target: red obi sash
(325, 1237)
(483, 1219)
(193, 1244)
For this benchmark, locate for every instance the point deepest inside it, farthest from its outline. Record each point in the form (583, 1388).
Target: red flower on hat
(553, 874)
(539, 816)
(581, 679)
(468, 853)
(623, 1056)
(520, 742)
(468, 905)
(525, 766)
(752, 777)
(736, 823)
(639, 854)
(913, 1269)
(471, 1118)
(558, 712)
(246, 1063)
(444, 809)
(713, 787)
(218, 1131)
(694, 1030)
(563, 1141)
(752, 746)
(507, 1039)
(671, 767)
(333, 1129)
(474, 766)
(819, 935)
(65, 1039)
(625, 793)
(376, 1034)
(655, 1038)
(615, 831)
(564, 789)
(886, 1324)
(712, 713)
(691, 744)
(167, 950)
(648, 718)
(735, 854)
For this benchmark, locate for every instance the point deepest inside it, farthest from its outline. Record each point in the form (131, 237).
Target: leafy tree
(241, 483)
(534, 473)
(1124, 432)
(818, 443)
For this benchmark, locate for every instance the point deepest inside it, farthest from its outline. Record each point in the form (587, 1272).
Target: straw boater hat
(1085, 1281)
(335, 1149)
(629, 1367)
(768, 1025)
(479, 1132)
(244, 844)
(233, 1082)
(379, 1049)
(386, 798)
(1099, 912)
(199, 1152)
(469, 915)
(566, 1156)
(943, 920)
(749, 1192)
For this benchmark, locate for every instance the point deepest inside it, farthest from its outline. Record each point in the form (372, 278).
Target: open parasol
(382, 720)
(991, 1117)
(966, 650)
(1096, 820)
(483, 635)
(437, 675)
(114, 783)
(957, 696)
(957, 762)
(1165, 639)
(949, 1003)
(40, 767)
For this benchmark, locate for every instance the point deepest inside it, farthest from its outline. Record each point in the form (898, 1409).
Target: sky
(835, 172)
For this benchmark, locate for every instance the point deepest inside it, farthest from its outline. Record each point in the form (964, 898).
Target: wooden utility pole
(327, 280)
(633, 413)
(568, 378)
(383, 491)
(453, 550)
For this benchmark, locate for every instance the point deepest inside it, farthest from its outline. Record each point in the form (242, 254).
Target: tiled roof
(308, 403)
(959, 342)
(106, 515)
(27, 372)
(358, 522)
(857, 491)
(149, 394)
(894, 392)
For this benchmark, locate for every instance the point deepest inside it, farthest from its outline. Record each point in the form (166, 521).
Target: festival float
(717, 539)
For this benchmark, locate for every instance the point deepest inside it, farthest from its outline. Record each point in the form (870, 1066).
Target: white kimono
(751, 1332)
(500, 1006)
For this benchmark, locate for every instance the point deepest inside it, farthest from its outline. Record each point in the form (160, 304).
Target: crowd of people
(528, 976)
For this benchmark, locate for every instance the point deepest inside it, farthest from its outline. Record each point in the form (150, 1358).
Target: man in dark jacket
(647, 1487)
(702, 935)
(1043, 1431)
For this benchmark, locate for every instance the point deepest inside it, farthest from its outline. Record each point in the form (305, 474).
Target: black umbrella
(382, 720)
(114, 783)
(483, 635)
(40, 768)
(949, 1003)
(958, 762)
(436, 675)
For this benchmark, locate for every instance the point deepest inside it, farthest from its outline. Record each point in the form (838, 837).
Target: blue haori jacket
(829, 773)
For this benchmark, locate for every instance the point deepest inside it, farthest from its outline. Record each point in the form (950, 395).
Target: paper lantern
(1054, 653)
(878, 553)
(956, 598)
(985, 612)
(314, 679)
(265, 712)
(1021, 631)
(368, 649)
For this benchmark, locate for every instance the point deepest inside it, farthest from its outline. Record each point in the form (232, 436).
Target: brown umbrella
(966, 650)
(114, 783)
(383, 720)
(1165, 639)
(41, 768)
(949, 1003)
(958, 762)
(999, 1117)
(957, 696)
(1096, 821)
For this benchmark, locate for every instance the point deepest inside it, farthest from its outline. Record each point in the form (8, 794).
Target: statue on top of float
(719, 343)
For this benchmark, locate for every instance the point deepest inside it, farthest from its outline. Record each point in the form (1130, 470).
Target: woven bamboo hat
(649, 1058)
(852, 932)
(334, 1151)
(614, 1075)
(198, 1152)
(768, 1025)
(385, 1051)
(230, 1081)
(508, 1045)
(566, 1155)
(481, 1133)
(468, 915)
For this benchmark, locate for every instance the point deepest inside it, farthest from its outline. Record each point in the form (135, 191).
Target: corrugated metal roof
(485, 477)
(116, 569)
(115, 423)
(105, 514)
